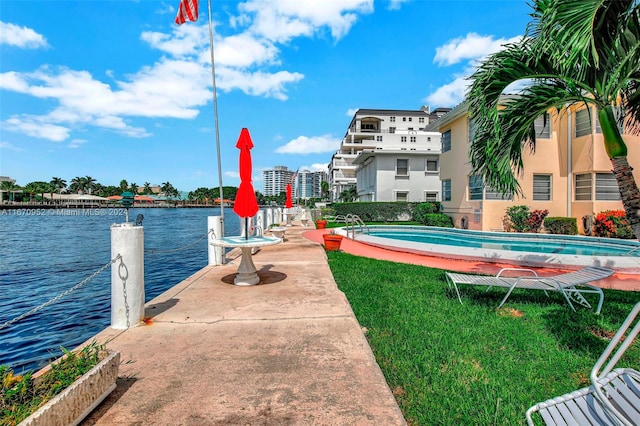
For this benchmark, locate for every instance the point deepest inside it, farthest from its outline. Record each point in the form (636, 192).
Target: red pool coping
(618, 281)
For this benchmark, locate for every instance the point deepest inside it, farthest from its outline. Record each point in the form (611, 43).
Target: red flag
(188, 10)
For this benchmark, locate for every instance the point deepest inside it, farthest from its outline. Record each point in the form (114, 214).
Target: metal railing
(352, 221)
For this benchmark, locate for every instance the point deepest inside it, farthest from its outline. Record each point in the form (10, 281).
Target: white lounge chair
(572, 285)
(613, 397)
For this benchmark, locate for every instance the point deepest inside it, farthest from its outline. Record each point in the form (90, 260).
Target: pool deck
(618, 281)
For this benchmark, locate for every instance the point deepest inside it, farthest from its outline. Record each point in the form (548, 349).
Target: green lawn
(473, 364)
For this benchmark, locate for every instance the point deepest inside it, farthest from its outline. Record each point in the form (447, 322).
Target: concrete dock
(288, 351)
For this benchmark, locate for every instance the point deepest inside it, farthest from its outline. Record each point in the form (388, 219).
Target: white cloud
(316, 167)
(232, 174)
(472, 46)
(10, 147)
(34, 126)
(450, 94)
(471, 49)
(396, 4)
(22, 37)
(76, 143)
(178, 84)
(310, 145)
(351, 112)
(282, 20)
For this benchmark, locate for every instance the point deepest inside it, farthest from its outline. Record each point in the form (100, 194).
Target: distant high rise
(309, 184)
(274, 181)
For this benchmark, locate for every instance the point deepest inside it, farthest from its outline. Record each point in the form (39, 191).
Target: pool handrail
(353, 220)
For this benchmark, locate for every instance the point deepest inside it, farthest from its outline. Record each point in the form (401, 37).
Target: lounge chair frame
(571, 285)
(614, 395)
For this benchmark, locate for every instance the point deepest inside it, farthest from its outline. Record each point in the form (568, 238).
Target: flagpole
(215, 112)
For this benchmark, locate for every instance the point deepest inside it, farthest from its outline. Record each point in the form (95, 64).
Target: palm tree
(58, 183)
(90, 184)
(574, 53)
(147, 188)
(324, 189)
(10, 187)
(78, 184)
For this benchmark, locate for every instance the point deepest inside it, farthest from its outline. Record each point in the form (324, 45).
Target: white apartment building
(389, 156)
(274, 181)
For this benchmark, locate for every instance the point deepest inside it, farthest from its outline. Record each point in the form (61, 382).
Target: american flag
(188, 10)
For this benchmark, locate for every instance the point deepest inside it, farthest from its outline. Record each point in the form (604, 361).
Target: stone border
(73, 404)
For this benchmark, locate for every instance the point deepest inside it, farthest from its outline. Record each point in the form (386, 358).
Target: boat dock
(286, 352)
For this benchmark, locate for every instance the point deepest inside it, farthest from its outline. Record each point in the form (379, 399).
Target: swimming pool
(509, 247)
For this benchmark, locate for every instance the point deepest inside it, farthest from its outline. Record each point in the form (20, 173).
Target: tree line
(34, 191)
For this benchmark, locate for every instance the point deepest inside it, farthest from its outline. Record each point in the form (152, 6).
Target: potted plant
(64, 392)
(332, 241)
(321, 223)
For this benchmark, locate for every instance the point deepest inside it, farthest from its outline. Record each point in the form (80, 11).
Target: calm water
(45, 252)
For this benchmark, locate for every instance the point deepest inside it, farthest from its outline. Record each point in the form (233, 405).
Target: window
(491, 193)
(404, 118)
(420, 119)
(402, 167)
(403, 138)
(392, 119)
(542, 127)
(412, 139)
(368, 126)
(583, 122)
(432, 166)
(446, 141)
(392, 129)
(475, 187)
(446, 190)
(472, 130)
(430, 196)
(607, 187)
(583, 187)
(378, 138)
(402, 196)
(542, 187)
(410, 119)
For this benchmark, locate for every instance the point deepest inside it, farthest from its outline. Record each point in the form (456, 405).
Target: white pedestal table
(247, 272)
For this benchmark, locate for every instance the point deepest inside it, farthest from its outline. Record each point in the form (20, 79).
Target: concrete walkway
(286, 352)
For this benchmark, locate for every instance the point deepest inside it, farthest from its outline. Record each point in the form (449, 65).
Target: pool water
(531, 243)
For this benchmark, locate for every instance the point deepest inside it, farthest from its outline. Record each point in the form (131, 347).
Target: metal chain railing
(61, 295)
(152, 251)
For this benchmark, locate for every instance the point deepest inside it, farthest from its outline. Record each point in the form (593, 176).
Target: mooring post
(127, 275)
(215, 228)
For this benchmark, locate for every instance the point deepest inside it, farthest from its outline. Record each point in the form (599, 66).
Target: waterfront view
(46, 252)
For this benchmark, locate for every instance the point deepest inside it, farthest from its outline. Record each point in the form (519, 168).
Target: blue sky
(116, 90)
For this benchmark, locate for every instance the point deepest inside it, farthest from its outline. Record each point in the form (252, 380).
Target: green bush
(517, 217)
(561, 225)
(376, 211)
(423, 209)
(437, 219)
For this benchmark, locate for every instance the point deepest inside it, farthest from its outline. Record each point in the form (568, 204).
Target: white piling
(127, 275)
(215, 229)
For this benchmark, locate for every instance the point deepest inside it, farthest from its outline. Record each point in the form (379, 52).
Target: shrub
(561, 225)
(612, 224)
(423, 209)
(437, 219)
(535, 219)
(517, 217)
(376, 211)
